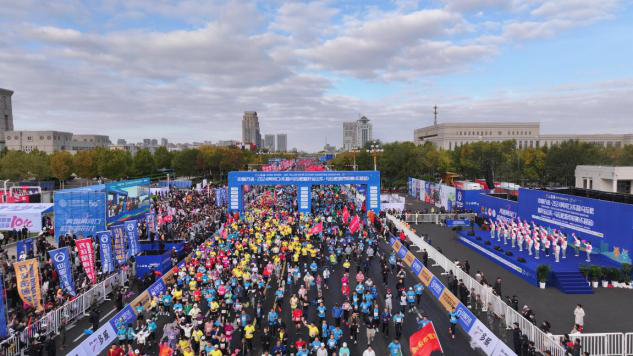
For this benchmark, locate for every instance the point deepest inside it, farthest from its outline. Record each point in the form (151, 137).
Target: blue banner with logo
(3, 314)
(494, 208)
(436, 287)
(120, 248)
(125, 317)
(62, 263)
(23, 248)
(150, 220)
(105, 251)
(457, 222)
(131, 231)
(80, 211)
(157, 288)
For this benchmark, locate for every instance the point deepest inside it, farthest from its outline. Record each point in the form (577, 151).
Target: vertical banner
(28, 277)
(131, 231)
(120, 253)
(150, 220)
(105, 250)
(23, 248)
(61, 261)
(3, 314)
(87, 257)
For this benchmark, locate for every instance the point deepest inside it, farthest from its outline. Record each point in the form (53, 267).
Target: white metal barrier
(50, 323)
(603, 344)
(628, 347)
(510, 316)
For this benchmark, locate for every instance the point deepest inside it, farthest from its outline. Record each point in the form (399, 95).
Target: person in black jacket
(94, 319)
(516, 338)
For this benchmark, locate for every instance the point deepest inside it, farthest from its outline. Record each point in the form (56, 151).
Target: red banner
(424, 341)
(87, 257)
(316, 229)
(354, 224)
(345, 215)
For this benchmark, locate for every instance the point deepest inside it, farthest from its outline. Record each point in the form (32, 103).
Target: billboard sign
(127, 200)
(79, 212)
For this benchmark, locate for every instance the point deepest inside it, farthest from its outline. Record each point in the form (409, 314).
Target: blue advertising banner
(416, 266)
(120, 248)
(3, 314)
(23, 248)
(125, 317)
(150, 220)
(79, 212)
(371, 179)
(62, 263)
(468, 199)
(131, 230)
(127, 200)
(607, 225)
(465, 317)
(157, 288)
(402, 252)
(457, 222)
(105, 250)
(436, 287)
(497, 208)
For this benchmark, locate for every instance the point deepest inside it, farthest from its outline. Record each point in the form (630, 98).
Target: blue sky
(186, 70)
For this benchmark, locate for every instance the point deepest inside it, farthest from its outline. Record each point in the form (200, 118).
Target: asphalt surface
(607, 310)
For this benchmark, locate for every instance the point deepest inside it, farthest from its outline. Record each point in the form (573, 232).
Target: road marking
(100, 319)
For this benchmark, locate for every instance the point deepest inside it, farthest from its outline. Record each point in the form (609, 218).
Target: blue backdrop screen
(608, 225)
(127, 200)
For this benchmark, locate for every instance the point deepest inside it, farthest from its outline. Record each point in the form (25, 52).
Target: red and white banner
(354, 224)
(316, 229)
(87, 257)
(345, 215)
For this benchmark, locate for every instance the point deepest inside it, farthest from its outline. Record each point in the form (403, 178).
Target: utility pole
(435, 115)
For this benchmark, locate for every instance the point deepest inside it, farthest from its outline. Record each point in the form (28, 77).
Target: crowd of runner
(257, 286)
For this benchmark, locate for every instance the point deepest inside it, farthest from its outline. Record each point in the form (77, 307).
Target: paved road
(607, 310)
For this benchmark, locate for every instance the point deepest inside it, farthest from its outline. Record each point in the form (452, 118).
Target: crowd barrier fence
(604, 344)
(70, 311)
(542, 341)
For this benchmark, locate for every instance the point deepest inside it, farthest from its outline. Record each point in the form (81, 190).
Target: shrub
(585, 270)
(509, 253)
(498, 248)
(542, 271)
(521, 259)
(626, 271)
(471, 233)
(595, 272)
(487, 243)
(478, 238)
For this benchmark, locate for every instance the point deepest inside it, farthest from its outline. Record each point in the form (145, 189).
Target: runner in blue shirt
(394, 348)
(419, 289)
(453, 320)
(272, 318)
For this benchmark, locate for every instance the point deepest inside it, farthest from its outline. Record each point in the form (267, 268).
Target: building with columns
(448, 136)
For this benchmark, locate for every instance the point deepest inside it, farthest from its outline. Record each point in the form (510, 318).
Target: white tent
(18, 215)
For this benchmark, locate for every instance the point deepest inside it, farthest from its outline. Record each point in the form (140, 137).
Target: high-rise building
(250, 129)
(6, 114)
(356, 134)
(282, 142)
(164, 142)
(269, 142)
(154, 142)
(121, 141)
(147, 142)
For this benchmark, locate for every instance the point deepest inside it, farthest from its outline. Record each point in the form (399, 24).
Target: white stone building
(526, 134)
(356, 134)
(605, 178)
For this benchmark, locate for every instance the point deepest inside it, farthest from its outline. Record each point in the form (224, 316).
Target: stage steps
(571, 282)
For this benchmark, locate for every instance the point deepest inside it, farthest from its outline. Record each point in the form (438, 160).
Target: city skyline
(188, 71)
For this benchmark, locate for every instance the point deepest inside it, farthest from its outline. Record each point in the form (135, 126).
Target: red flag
(345, 214)
(87, 257)
(354, 224)
(424, 341)
(316, 228)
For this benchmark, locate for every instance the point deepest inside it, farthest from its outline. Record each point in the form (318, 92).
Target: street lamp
(375, 149)
(354, 150)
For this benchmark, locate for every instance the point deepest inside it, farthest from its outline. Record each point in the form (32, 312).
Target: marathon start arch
(304, 182)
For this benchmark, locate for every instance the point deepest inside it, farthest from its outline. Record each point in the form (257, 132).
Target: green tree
(143, 163)
(86, 164)
(113, 164)
(162, 158)
(62, 165)
(185, 162)
(12, 165)
(561, 160)
(38, 165)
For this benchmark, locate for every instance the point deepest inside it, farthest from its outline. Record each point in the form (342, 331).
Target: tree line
(397, 161)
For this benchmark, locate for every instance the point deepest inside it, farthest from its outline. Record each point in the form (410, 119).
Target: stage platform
(565, 274)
